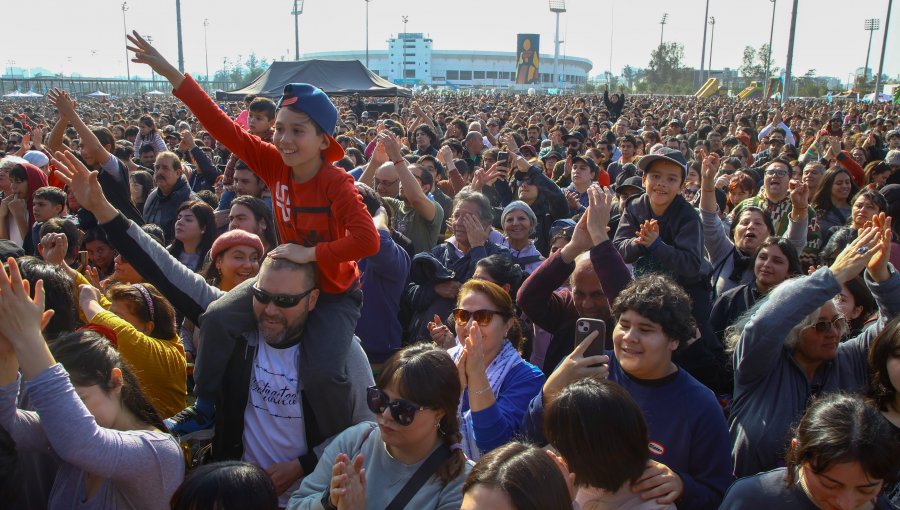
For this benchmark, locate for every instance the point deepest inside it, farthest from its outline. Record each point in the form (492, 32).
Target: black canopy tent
(335, 77)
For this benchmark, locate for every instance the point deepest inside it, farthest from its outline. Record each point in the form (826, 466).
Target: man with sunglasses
(262, 414)
(774, 197)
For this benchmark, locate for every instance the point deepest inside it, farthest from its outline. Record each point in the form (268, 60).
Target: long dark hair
(426, 375)
(206, 218)
(886, 346)
(227, 485)
(59, 292)
(528, 476)
(839, 428)
(822, 199)
(89, 358)
(790, 253)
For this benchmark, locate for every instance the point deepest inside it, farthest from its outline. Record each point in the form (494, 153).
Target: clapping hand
(440, 333)
(649, 233)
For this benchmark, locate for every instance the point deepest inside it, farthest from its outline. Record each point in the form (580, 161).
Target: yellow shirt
(159, 365)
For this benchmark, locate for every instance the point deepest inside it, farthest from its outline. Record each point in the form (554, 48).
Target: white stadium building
(411, 60)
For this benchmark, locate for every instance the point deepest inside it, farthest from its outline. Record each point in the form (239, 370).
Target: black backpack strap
(418, 479)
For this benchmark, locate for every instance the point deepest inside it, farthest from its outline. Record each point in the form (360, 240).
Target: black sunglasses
(482, 317)
(402, 411)
(573, 144)
(279, 300)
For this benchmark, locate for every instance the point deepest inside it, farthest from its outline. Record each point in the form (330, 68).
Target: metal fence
(83, 86)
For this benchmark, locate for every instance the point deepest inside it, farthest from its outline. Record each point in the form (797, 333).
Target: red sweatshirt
(326, 211)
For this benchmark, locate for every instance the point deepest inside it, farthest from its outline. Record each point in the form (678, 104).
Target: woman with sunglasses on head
(411, 456)
(497, 383)
(789, 346)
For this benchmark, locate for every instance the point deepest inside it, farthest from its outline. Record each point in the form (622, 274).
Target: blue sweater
(496, 425)
(686, 428)
(383, 280)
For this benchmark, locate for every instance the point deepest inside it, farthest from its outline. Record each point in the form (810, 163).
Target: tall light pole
(703, 51)
(871, 26)
(712, 38)
(298, 10)
(557, 7)
(786, 93)
(152, 72)
(403, 49)
(887, 22)
(662, 27)
(367, 33)
(769, 56)
(178, 27)
(206, 48)
(125, 28)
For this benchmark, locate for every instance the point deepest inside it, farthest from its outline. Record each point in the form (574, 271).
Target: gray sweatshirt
(385, 476)
(141, 468)
(771, 391)
(719, 249)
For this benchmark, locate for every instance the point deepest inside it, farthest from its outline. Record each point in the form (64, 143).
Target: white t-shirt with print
(273, 420)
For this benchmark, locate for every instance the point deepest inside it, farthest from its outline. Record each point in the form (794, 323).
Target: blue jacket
(383, 280)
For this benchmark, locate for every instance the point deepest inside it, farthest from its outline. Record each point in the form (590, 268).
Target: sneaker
(190, 424)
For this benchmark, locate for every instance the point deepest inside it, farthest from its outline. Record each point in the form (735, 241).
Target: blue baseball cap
(309, 99)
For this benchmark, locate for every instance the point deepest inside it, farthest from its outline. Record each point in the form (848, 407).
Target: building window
(465, 75)
(504, 75)
(409, 73)
(407, 62)
(478, 75)
(452, 75)
(491, 75)
(409, 54)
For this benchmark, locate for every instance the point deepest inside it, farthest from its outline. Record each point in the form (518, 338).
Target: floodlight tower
(662, 27)
(298, 10)
(557, 7)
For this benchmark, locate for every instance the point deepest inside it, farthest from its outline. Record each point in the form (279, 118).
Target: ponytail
(452, 467)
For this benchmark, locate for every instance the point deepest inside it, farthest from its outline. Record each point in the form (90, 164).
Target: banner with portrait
(528, 58)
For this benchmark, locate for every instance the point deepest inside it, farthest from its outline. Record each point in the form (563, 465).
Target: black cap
(587, 161)
(632, 182)
(575, 134)
(667, 153)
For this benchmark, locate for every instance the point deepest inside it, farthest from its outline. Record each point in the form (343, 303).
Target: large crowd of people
(477, 301)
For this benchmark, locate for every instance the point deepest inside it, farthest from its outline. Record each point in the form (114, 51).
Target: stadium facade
(411, 60)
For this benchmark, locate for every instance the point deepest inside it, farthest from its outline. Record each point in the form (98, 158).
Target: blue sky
(611, 33)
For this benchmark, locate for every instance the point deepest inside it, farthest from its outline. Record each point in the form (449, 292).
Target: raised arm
(89, 140)
(412, 190)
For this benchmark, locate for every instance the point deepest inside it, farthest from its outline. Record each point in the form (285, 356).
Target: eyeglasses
(780, 172)
(387, 184)
(482, 317)
(402, 411)
(573, 144)
(279, 300)
(838, 324)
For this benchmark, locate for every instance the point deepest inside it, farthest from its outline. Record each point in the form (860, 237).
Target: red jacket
(326, 211)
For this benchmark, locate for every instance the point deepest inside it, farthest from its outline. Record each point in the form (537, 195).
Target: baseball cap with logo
(311, 100)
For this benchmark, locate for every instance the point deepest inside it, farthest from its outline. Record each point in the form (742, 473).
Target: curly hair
(661, 300)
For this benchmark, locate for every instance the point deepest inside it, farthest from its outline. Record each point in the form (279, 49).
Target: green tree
(666, 72)
(753, 64)
(242, 71)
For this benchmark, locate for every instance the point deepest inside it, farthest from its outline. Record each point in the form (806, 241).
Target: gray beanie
(522, 206)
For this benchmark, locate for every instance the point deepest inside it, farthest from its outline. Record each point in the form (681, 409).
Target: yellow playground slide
(709, 88)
